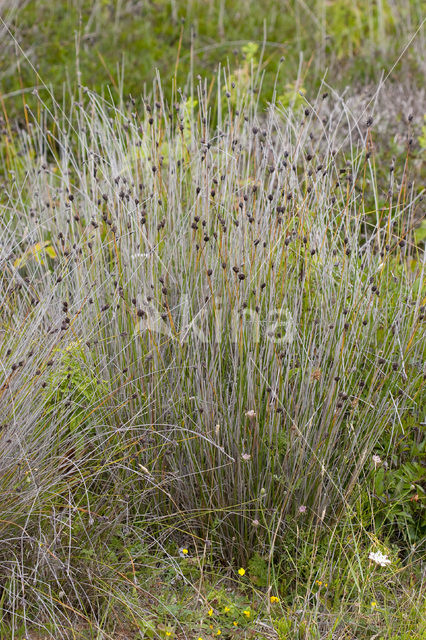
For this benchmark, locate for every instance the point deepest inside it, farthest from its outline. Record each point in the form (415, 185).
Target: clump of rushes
(160, 278)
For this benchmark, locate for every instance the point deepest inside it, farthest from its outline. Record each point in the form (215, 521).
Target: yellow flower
(185, 552)
(168, 633)
(218, 632)
(274, 599)
(226, 610)
(374, 604)
(73, 345)
(235, 623)
(247, 612)
(210, 612)
(241, 571)
(318, 582)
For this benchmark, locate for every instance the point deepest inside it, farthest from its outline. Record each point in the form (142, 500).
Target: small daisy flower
(379, 558)
(246, 456)
(377, 461)
(251, 414)
(302, 508)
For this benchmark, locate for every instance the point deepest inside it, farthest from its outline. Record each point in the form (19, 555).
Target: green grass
(122, 44)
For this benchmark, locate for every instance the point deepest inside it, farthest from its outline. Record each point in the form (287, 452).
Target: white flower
(379, 558)
(302, 508)
(251, 414)
(246, 456)
(377, 461)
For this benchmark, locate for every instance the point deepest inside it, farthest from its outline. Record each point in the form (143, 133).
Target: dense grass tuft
(207, 333)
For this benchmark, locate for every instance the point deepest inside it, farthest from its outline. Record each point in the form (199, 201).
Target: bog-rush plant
(222, 333)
